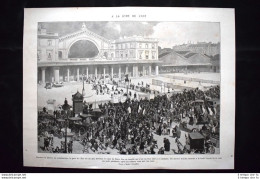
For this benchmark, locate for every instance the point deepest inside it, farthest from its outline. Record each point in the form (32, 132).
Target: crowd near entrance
(187, 122)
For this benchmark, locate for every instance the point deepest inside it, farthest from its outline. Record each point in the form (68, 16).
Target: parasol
(74, 118)
(61, 120)
(86, 115)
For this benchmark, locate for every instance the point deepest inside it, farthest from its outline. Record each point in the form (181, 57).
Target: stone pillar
(144, 71)
(78, 74)
(68, 74)
(156, 70)
(119, 72)
(43, 75)
(86, 72)
(104, 72)
(136, 71)
(96, 72)
(56, 74)
(112, 72)
(150, 70)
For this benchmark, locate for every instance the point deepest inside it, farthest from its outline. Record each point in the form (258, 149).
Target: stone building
(186, 61)
(69, 57)
(210, 49)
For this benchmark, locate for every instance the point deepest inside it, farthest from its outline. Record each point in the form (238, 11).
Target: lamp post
(83, 90)
(66, 108)
(127, 83)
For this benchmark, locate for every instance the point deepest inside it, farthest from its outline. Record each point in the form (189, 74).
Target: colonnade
(95, 70)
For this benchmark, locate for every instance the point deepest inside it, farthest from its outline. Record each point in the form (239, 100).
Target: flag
(139, 109)
(129, 109)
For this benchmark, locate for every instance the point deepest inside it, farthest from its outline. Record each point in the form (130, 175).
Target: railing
(169, 85)
(136, 88)
(192, 79)
(95, 104)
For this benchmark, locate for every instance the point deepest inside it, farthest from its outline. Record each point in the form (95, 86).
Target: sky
(168, 33)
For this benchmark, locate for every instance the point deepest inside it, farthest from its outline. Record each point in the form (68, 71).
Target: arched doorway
(83, 49)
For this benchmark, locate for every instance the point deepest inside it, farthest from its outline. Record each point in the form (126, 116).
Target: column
(56, 74)
(136, 71)
(96, 72)
(156, 70)
(68, 74)
(86, 72)
(119, 72)
(112, 72)
(43, 75)
(150, 70)
(144, 71)
(78, 74)
(104, 72)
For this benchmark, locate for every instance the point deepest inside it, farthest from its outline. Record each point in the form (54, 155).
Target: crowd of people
(129, 127)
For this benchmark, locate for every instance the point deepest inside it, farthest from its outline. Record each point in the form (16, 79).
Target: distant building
(68, 57)
(210, 49)
(186, 61)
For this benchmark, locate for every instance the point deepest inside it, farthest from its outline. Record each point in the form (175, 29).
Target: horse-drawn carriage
(48, 86)
(58, 85)
(83, 123)
(78, 125)
(44, 121)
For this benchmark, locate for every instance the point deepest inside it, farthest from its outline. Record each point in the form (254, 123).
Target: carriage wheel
(74, 129)
(82, 131)
(61, 134)
(56, 132)
(194, 130)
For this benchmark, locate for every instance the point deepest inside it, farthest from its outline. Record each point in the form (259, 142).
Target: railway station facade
(58, 60)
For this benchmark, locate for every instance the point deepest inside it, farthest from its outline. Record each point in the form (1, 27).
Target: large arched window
(83, 49)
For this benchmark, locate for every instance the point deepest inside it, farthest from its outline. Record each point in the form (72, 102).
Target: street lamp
(83, 90)
(66, 108)
(127, 83)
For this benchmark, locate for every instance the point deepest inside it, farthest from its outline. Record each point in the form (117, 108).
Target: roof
(182, 52)
(184, 58)
(196, 135)
(77, 96)
(189, 55)
(163, 54)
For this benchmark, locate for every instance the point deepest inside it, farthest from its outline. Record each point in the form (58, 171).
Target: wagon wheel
(74, 129)
(82, 131)
(194, 130)
(60, 135)
(56, 132)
